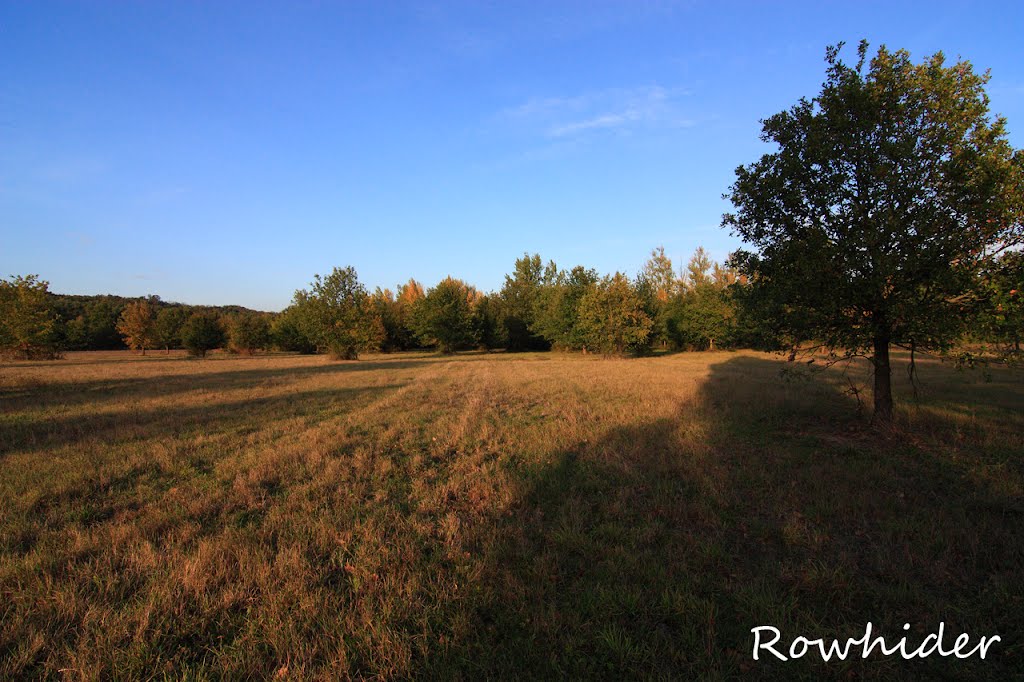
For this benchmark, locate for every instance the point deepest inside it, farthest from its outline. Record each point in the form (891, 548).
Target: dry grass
(494, 515)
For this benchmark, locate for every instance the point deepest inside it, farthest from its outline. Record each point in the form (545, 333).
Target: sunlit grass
(527, 515)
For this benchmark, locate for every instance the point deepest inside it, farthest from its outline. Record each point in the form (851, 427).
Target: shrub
(248, 333)
(202, 333)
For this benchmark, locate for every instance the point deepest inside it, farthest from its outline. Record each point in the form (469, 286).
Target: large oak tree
(888, 194)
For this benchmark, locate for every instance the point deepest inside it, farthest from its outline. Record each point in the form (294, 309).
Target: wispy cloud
(595, 123)
(617, 109)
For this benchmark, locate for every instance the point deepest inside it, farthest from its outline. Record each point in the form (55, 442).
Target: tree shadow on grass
(236, 418)
(650, 554)
(99, 391)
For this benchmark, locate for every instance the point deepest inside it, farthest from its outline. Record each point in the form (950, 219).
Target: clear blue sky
(225, 152)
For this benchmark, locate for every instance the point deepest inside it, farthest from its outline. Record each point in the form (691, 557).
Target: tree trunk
(883, 380)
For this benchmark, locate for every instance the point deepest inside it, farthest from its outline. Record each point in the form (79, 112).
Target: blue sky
(225, 152)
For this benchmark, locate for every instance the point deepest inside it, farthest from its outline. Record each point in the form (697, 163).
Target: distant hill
(89, 322)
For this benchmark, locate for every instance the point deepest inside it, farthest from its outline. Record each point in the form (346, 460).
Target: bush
(248, 333)
(201, 334)
(287, 333)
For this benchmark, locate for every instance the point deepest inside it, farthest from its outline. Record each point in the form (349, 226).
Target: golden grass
(526, 515)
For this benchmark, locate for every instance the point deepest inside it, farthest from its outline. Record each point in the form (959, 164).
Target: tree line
(38, 324)
(539, 307)
(705, 305)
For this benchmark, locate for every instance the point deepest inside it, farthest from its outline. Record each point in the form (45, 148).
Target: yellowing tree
(612, 317)
(137, 325)
(28, 325)
(410, 292)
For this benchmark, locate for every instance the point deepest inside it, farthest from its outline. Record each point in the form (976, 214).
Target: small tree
(28, 323)
(557, 310)
(409, 294)
(248, 333)
(519, 297)
(201, 333)
(887, 195)
(394, 315)
(137, 326)
(612, 318)
(337, 316)
(287, 332)
(703, 313)
(658, 285)
(167, 327)
(76, 333)
(444, 317)
(485, 321)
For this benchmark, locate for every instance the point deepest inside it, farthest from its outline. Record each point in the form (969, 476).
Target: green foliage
(658, 276)
(444, 317)
(756, 322)
(136, 325)
(75, 332)
(612, 319)
(703, 312)
(287, 332)
(395, 317)
(557, 307)
(487, 330)
(409, 294)
(889, 192)
(201, 333)
(28, 322)
(657, 286)
(1002, 302)
(702, 318)
(519, 296)
(167, 327)
(248, 333)
(90, 322)
(337, 316)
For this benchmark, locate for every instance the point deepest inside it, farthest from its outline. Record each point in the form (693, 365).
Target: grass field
(496, 515)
